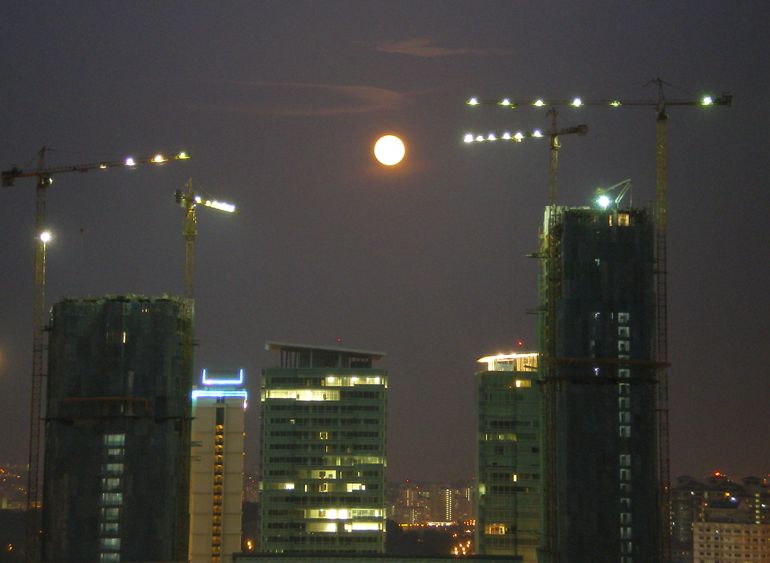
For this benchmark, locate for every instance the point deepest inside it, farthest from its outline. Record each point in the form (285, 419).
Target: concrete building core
(117, 444)
(600, 390)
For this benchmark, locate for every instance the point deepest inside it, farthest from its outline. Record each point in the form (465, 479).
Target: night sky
(279, 104)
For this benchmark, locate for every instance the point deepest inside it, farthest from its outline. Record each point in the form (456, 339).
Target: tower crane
(189, 201)
(44, 176)
(660, 105)
(553, 133)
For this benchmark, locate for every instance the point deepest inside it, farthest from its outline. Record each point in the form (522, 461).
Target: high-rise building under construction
(599, 383)
(323, 452)
(117, 431)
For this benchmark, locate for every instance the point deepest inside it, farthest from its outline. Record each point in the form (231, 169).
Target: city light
(45, 237)
(182, 156)
(707, 101)
(473, 102)
(159, 159)
(576, 103)
(539, 103)
(130, 161)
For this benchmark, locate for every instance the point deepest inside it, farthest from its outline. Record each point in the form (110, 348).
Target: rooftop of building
(514, 361)
(124, 298)
(307, 356)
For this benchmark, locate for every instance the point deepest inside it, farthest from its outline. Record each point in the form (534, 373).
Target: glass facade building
(323, 451)
(509, 496)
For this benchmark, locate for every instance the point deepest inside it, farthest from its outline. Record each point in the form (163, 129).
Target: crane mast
(44, 179)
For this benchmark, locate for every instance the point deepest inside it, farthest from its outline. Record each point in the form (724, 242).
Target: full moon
(389, 150)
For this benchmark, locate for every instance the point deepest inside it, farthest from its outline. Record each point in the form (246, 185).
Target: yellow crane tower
(660, 105)
(44, 176)
(189, 201)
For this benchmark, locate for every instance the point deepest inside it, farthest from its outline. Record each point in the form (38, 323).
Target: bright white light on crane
(603, 201)
(707, 101)
(473, 101)
(576, 103)
(159, 159)
(537, 133)
(615, 103)
(46, 237)
(130, 162)
(468, 138)
(491, 137)
(220, 205)
(538, 103)
(182, 156)
(519, 136)
(505, 102)
(507, 136)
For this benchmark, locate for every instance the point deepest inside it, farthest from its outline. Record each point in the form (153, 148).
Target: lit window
(623, 220)
(110, 543)
(624, 389)
(113, 468)
(624, 331)
(625, 502)
(624, 431)
(624, 346)
(323, 435)
(110, 483)
(624, 417)
(625, 460)
(350, 487)
(625, 474)
(624, 403)
(363, 527)
(624, 373)
(625, 517)
(623, 318)
(495, 529)
(114, 439)
(302, 394)
(523, 383)
(112, 499)
(625, 533)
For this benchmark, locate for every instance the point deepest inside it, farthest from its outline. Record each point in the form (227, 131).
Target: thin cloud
(425, 48)
(324, 100)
